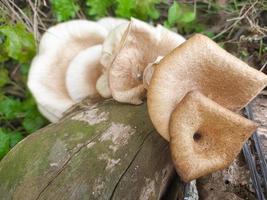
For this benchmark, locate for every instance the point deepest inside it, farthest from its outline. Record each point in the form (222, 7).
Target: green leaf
(174, 13)
(3, 53)
(3, 77)
(181, 14)
(18, 43)
(4, 143)
(99, 8)
(142, 9)
(33, 121)
(10, 108)
(24, 70)
(15, 137)
(166, 24)
(64, 9)
(146, 9)
(125, 8)
(188, 17)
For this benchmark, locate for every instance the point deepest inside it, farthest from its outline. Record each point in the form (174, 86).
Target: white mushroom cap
(51, 116)
(59, 45)
(102, 86)
(83, 73)
(110, 22)
(141, 44)
(109, 50)
(112, 44)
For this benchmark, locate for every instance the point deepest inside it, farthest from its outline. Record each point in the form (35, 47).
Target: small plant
(19, 115)
(64, 9)
(183, 17)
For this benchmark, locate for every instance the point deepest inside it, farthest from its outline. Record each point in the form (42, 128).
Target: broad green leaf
(4, 143)
(3, 77)
(64, 9)
(18, 43)
(99, 8)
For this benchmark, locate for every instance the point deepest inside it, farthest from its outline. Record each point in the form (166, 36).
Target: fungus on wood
(58, 46)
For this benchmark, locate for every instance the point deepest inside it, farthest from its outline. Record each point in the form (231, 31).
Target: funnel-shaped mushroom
(83, 72)
(59, 45)
(141, 44)
(204, 136)
(200, 64)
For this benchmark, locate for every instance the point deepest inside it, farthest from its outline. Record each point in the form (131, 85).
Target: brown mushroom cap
(141, 44)
(204, 136)
(200, 64)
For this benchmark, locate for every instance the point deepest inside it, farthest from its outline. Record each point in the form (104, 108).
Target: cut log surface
(106, 151)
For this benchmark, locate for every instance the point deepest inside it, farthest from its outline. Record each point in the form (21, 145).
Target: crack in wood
(130, 164)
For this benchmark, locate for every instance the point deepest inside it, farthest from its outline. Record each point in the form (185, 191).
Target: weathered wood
(107, 151)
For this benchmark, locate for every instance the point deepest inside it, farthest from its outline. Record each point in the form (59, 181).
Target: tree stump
(105, 151)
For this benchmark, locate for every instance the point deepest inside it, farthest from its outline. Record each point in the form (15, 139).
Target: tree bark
(105, 151)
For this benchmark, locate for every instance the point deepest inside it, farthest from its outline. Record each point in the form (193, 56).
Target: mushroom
(102, 85)
(204, 136)
(58, 46)
(83, 72)
(110, 22)
(200, 64)
(149, 70)
(141, 44)
(112, 44)
(109, 50)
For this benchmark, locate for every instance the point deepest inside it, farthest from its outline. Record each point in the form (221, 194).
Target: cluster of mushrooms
(193, 87)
